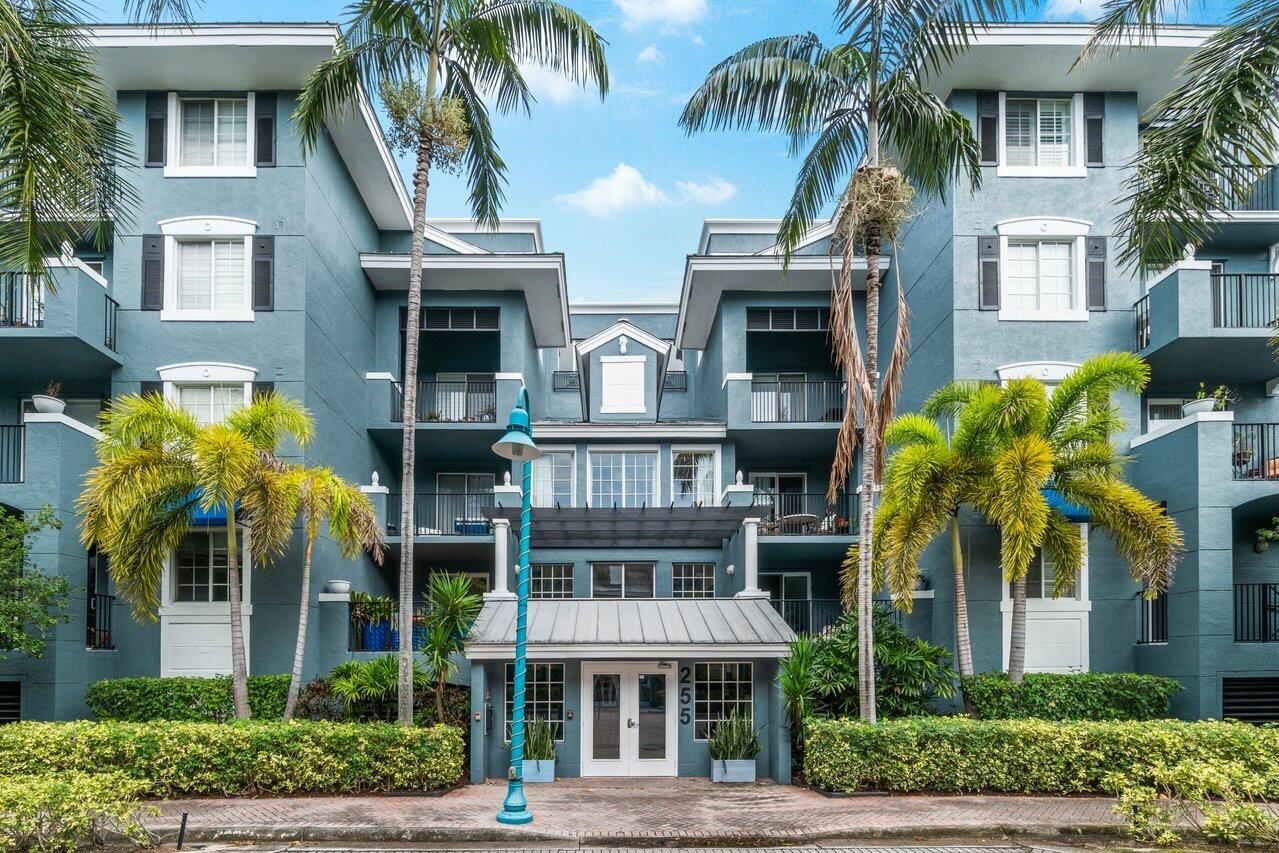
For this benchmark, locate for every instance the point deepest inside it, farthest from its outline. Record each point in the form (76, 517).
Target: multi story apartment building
(682, 530)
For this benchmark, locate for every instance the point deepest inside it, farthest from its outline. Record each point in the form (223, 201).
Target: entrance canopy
(633, 628)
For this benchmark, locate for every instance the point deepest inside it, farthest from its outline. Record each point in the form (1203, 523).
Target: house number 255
(685, 695)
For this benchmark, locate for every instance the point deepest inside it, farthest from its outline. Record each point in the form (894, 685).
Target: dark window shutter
(152, 272)
(988, 273)
(1094, 126)
(757, 318)
(263, 273)
(988, 127)
(157, 116)
(1095, 251)
(261, 389)
(264, 128)
(151, 388)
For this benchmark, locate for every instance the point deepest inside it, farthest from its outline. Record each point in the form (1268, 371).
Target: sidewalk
(645, 812)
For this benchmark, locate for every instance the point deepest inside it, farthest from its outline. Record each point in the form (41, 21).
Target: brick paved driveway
(652, 811)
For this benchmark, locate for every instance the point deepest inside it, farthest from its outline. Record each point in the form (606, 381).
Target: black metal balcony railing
(109, 333)
(98, 622)
(675, 380)
(1257, 612)
(1141, 322)
(1255, 451)
(806, 514)
(797, 402)
(11, 448)
(377, 634)
(819, 615)
(442, 514)
(1260, 194)
(1154, 620)
(1244, 300)
(21, 300)
(464, 401)
(566, 380)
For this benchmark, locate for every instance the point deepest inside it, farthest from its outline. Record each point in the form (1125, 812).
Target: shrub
(734, 739)
(956, 754)
(1075, 696)
(141, 700)
(67, 812)
(1222, 800)
(176, 758)
(539, 741)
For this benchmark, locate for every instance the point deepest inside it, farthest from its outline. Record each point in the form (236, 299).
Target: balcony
(1261, 195)
(818, 615)
(65, 327)
(442, 514)
(797, 402)
(458, 402)
(1153, 624)
(12, 444)
(381, 635)
(98, 622)
(806, 514)
(1256, 608)
(1255, 451)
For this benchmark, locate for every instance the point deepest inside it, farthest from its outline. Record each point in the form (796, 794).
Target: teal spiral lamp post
(517, 445)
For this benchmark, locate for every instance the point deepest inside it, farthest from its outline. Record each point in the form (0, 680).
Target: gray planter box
(539, 771)
(733, 770)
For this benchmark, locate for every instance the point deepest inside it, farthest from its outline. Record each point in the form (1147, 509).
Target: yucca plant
(734, 738)
(539, 741)
(372, 687)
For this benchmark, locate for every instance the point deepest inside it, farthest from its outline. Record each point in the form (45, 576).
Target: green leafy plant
(366, 607)
(1220, 799)
(1265, 535)
(734, 738)
(539, 741)
(369, 689)
(1070, 696)
(1222, 396)
(69, 811)
(180, 758)
(141, 700)
(31, 602)
(451, 608)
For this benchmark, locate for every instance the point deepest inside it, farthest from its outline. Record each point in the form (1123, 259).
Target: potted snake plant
(733, 745)
(539, 751)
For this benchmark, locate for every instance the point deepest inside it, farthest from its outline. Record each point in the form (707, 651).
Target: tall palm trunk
(439, 697)
(1017, 640)
(299, 649)
(963, 639)
(870, 451)
(239, 664)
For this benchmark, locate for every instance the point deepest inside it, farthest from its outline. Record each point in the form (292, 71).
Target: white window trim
(1051, 228)
(572, 452)
(200, 228)
(652, 564)
(1077, 167)
(175, 376)
(698, 448)
(173, 132)
(221, 609)
(642, 408)
(1160, 401)
(625, 448)
(1051, 372)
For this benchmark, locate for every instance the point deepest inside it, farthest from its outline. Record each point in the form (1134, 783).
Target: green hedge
(71, 811)
(176, 758)
(957, 754)
(140, 700)
(1076, 696)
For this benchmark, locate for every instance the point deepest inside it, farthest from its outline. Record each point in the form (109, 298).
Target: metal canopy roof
(647, 527)
(633, 627)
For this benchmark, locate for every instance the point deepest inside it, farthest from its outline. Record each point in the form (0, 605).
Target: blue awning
(1072, 511)
(215, 516)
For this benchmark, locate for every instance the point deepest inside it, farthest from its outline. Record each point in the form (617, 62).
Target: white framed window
(200, 568)
(210, 137)
(208, 268)
(622, 580)
(693, 580)
(1160, 410)
(1041, 269)
(210, 404)
(718, 690)
(622, 384)
(694, 476)
(554, 478)
(543, 696)
(208, 391)
(1041, 579)
(551, 580)
(1041, 136)
(624, 478)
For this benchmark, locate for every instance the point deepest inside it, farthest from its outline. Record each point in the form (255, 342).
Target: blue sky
(618, 186)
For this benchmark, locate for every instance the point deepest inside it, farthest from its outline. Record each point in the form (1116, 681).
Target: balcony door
(791, 594)
(459, 503)
(787, 491)
(628, 720)
(779, 397)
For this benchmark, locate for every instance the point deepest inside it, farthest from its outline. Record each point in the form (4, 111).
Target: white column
(501, 562)
(750, 559)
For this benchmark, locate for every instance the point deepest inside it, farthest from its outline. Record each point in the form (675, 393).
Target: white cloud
(548, 86)
(638, 13)
(649, 54)
(1086, 10)
(713, 191)
(607, 197)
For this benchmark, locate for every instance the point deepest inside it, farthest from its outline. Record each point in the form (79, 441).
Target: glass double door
(628, 720)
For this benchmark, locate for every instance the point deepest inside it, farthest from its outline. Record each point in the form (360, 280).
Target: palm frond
(1125, 22)
(891, 388)
(933, 143)
(1092, 383)
(486, 169)
(269, 419)
(160, 11)
(834, 155)
(549, 35)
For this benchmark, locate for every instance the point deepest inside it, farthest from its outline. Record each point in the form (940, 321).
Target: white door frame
(628, 763)
(177, 613)
(1044, 610)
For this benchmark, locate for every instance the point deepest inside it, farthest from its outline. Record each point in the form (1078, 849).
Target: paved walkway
(633, 811)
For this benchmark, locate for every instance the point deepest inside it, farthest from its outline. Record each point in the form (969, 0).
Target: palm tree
(1013, 447)
(157, 466)
(352, 524)
(451, 608)
(1222, 112)
(861, 99)
(433, 62)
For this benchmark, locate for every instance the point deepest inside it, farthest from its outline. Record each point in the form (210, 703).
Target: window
(787, 319)
(1040, 276)
(10, 701)
(622, 378)
(457, 319)
(200, 568)
(543, 695)
(214, 132)
(1039, 132)
(1041, 578)
(553, 477)
(622, 580)
(718, 690)
(693, 477)
(210, 404)
(212, 275)
(551, 580)
(694, 580)
(1162, 409)
(624, 478)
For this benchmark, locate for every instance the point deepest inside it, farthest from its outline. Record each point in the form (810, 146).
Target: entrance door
(628, 720)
